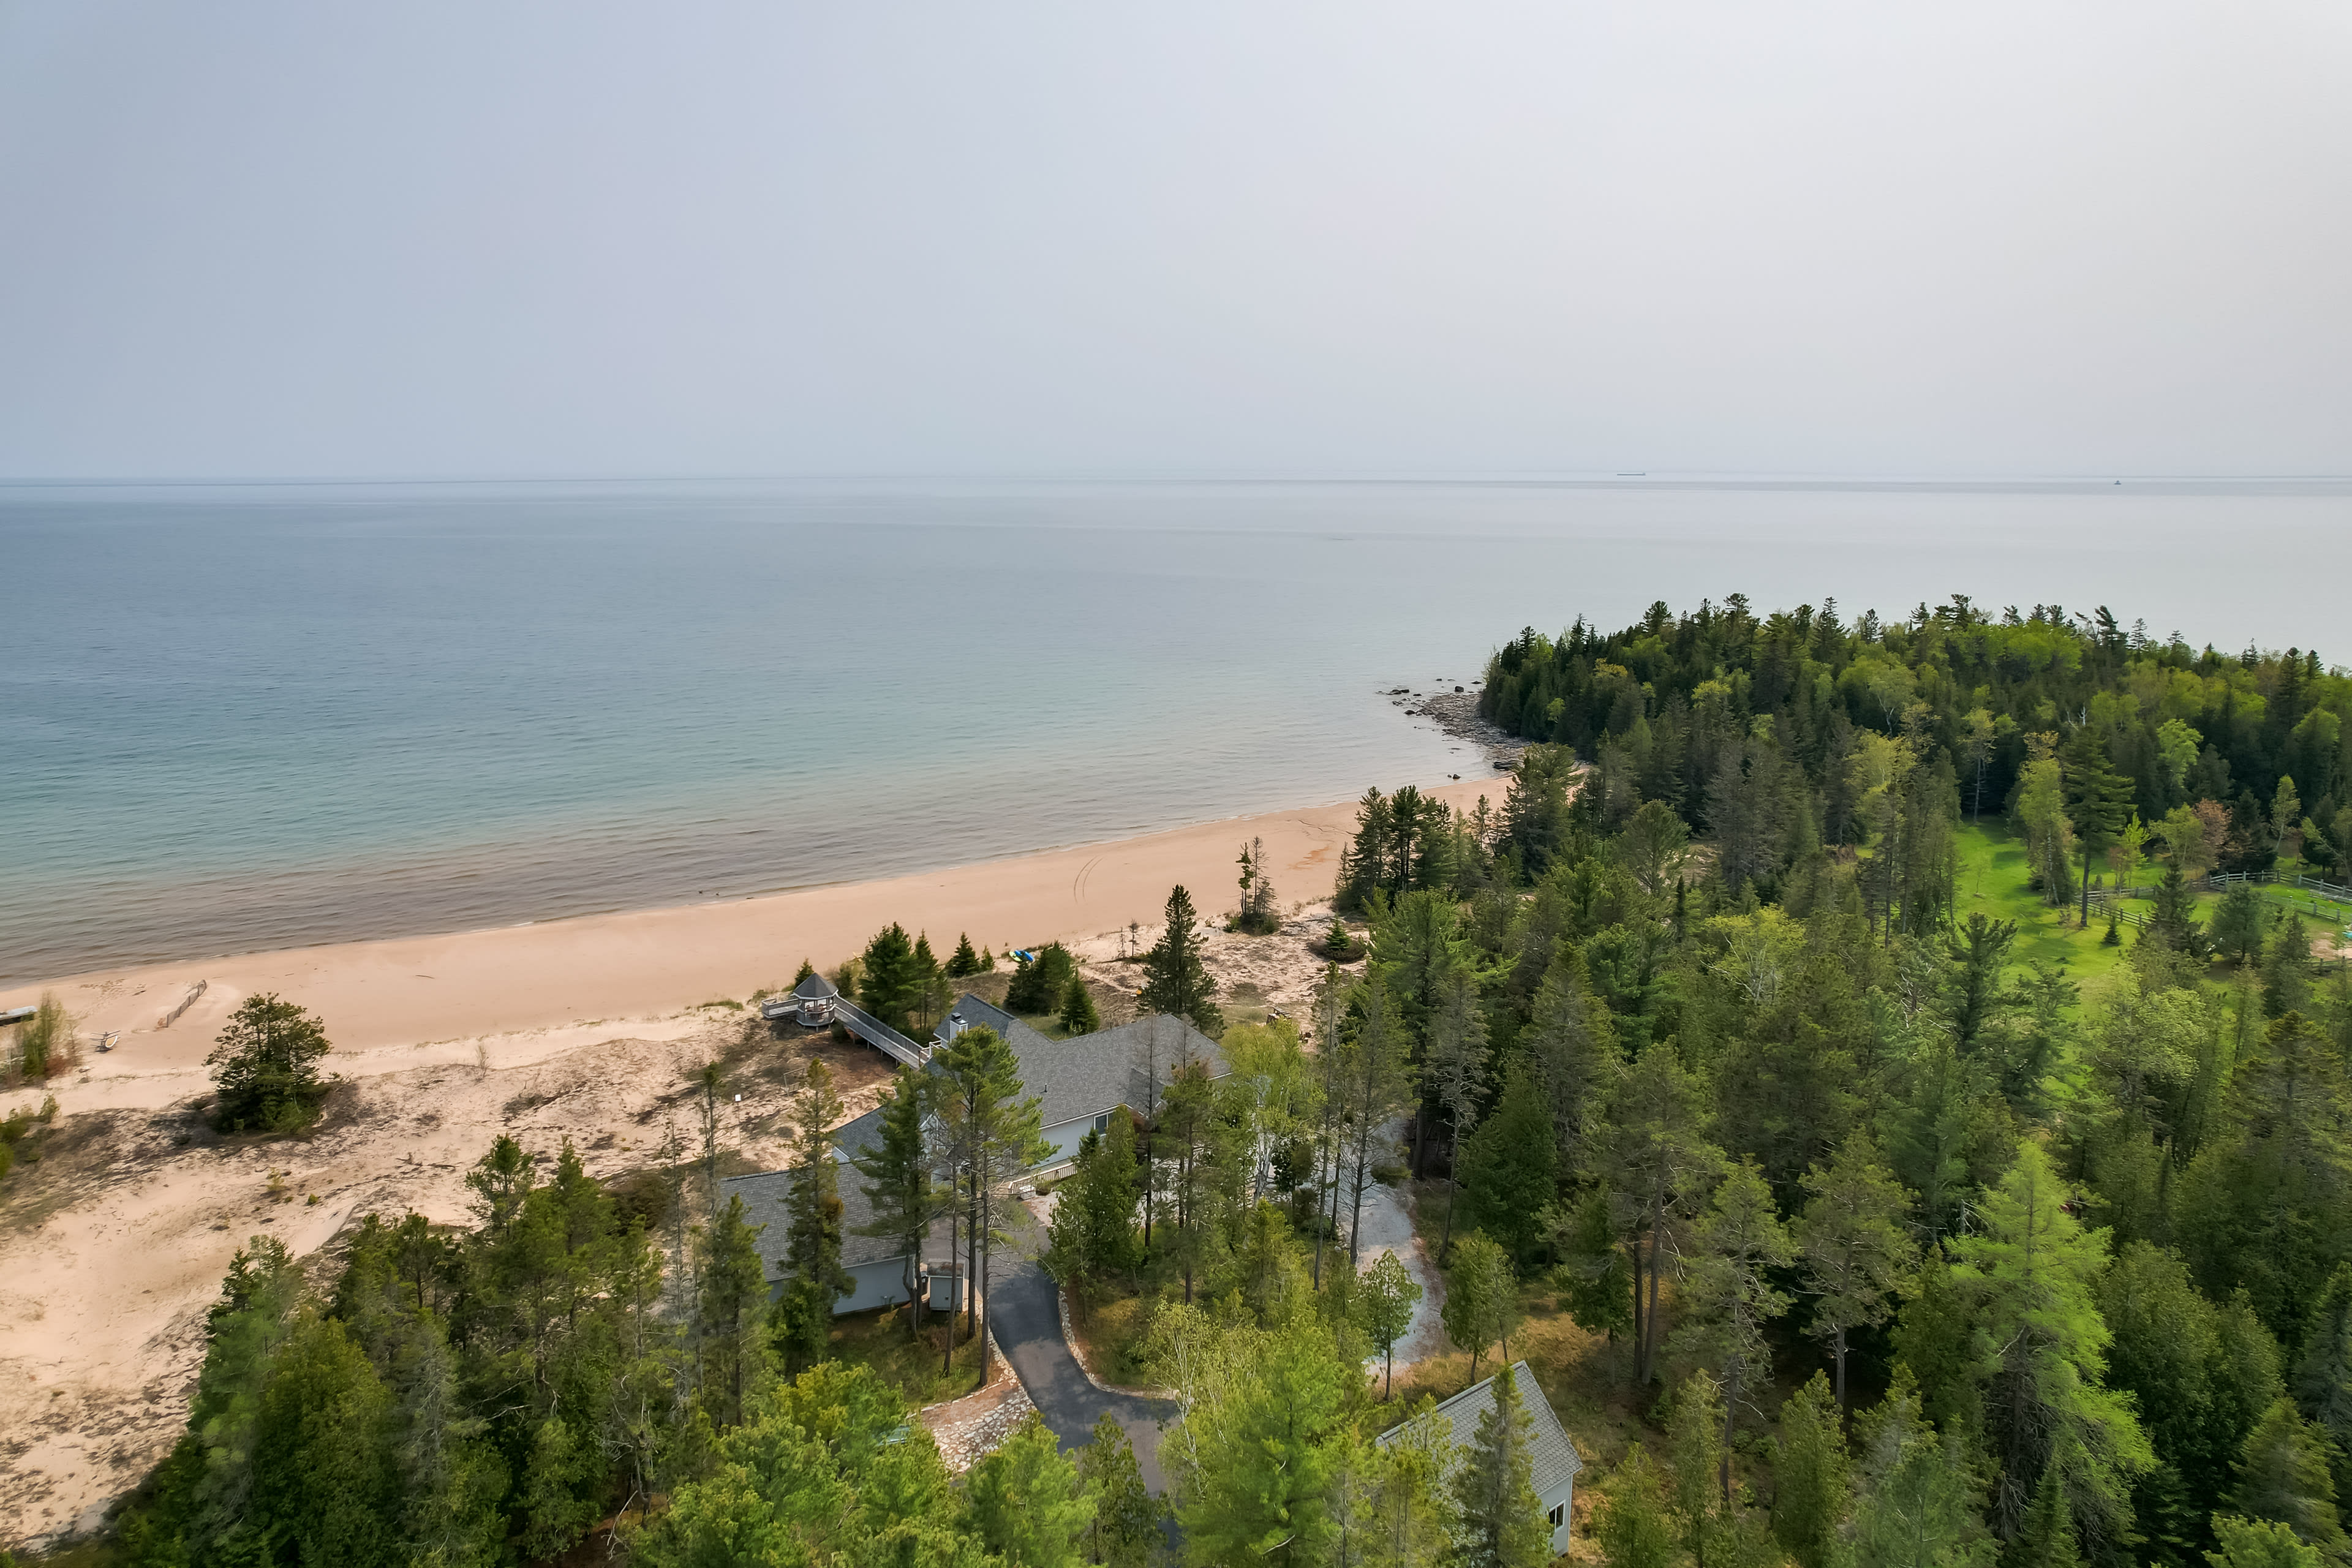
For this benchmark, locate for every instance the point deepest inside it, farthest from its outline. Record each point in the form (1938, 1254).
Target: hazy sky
(1363, 237)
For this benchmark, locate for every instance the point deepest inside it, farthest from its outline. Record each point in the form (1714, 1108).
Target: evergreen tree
(1409, 1514)
(2046, 1539)
(2286, 968)
(1658, 1168)
(2260, 1544)
(1813, 1485)
(2260, 1208)
(814, 1278)
(1041, 980)
(1125, 1524)
(1456, 1074)
(994, 1133)
(1917, 1507)
(2240, 921)
(1730, 1296)
(2043, 1357)
(1507, 1174)
(1572, 1045)
(889, 978)
(264, 1067)
(897, 1186)
(1502, 1518)
(1632, 1525)
(1092, 1231)
(1175, 981)
(1855, 1249)
(1028, 1504)
(962, 963)
(731, 1298)
(1263, 1424)
(1481, 1298)
(2283, 1475)
(2323, 1378)
(2097, 799)
(1078, 1014)
(323, 1472)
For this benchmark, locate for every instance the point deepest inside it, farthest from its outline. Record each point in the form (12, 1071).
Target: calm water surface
(233, 718)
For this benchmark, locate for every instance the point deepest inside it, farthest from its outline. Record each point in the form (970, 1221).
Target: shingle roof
(766, 1202)
(815, 987)
(1086, 1075)
(1550, 1455)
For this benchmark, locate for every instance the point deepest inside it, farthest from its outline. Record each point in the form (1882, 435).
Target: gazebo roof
(817, 987)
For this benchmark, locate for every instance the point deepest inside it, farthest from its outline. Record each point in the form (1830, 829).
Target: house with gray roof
(1551, 1457)
(878, 1265)
(1078, 1083)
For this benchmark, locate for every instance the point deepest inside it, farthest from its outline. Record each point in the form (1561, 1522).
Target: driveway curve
(1024, 1314)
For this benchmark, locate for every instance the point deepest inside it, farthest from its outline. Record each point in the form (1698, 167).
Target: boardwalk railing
(877, 1033)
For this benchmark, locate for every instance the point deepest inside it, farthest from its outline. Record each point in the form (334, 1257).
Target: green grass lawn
(1993, 882)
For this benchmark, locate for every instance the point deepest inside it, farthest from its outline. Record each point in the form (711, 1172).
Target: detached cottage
(1551, 1457)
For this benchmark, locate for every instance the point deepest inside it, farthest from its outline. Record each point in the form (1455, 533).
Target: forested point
(1882, 1078)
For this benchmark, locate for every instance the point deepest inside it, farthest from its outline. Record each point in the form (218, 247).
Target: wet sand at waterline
(399, 1003)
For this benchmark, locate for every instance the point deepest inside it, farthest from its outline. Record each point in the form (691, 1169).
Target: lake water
(243, 717)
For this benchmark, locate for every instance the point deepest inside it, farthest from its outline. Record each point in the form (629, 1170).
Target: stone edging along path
(1062, 1302)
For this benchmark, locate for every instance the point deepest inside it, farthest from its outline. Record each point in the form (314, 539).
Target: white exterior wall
(1563, 1499)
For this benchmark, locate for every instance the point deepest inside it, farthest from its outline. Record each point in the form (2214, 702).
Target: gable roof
(767, 1202)
(1086, 1075)
(1552, 1458)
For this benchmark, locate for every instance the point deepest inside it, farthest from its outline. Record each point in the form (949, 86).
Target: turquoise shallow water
(243, 717)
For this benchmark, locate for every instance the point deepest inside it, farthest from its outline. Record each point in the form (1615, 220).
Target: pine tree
(1502, 1518)
(1078, 1014)
(2046, 1539)
(1409, 1518)
(1028, 1503)
(1856, 1251)
(2097, 798)
(1813, 1483)
(993, 1131)
(1917, 1507)
(1457, 1073)
(1040, 981)
(1508, 1173)
(1657, 1167)
(1729, 1293)
(1175, 981)
(1092, 1231)
(732, 1295)
(1125, 1524)
(264, 1067)
(897, 1186)
(1572, 1044)
(813, 1277)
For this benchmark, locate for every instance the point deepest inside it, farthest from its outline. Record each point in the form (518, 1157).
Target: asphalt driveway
(1024, 1315)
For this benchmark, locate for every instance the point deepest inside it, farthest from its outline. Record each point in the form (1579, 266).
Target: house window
(1102, 1123)
(1559, 1512)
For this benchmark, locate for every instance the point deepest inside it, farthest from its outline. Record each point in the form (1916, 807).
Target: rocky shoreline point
(1456, 712)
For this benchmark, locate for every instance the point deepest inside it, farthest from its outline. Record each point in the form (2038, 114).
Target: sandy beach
(113, 1243)
(412, 995)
